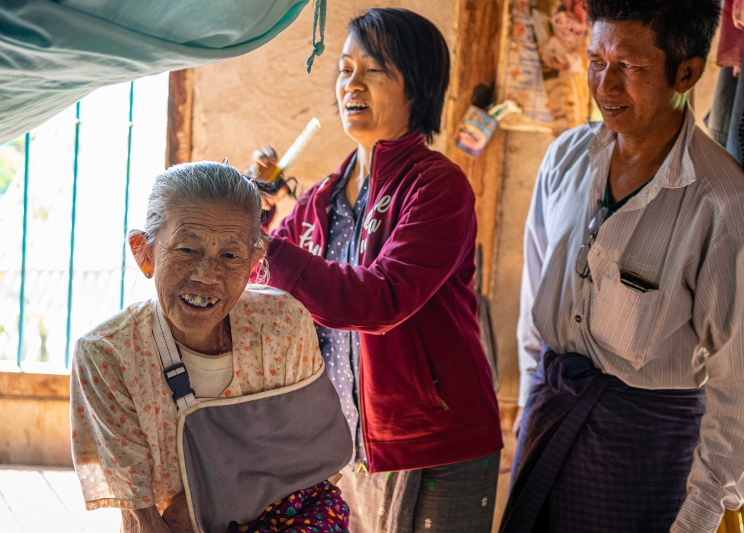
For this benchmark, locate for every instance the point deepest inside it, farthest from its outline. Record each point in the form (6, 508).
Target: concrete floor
(43, 499)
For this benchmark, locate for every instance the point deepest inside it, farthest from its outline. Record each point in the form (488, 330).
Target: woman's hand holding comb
(262, 167)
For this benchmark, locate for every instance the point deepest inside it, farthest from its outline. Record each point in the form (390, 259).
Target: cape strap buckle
(178, 381)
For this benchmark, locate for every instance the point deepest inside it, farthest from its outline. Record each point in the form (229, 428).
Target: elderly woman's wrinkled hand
(144, 521)
(176, 515)
(175, 519)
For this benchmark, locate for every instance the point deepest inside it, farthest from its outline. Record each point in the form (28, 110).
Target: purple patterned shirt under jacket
(340, 349)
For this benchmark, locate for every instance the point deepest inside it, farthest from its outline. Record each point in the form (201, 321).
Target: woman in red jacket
(382, 255)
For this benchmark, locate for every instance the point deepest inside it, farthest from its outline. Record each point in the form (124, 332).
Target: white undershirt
(209, 375)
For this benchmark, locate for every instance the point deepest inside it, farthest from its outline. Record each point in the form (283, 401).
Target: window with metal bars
(70, 190)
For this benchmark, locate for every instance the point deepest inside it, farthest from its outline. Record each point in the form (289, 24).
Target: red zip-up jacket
(424, 382)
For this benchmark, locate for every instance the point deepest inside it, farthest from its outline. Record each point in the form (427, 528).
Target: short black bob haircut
(683, 28)
(418, 51)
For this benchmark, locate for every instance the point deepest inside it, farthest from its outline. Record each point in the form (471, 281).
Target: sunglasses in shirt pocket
(637, 282)
(625, 320)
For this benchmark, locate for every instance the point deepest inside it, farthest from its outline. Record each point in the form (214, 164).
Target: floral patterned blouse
(123, 418)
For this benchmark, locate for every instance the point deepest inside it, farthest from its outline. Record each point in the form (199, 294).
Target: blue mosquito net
(52, 53)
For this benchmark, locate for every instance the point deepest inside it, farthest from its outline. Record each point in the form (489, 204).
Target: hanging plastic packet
(477, 126)
(476, 129)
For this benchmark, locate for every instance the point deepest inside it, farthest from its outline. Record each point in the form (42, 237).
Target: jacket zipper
(370, 200)
(370, 197)
(365, 463)
(323, 224)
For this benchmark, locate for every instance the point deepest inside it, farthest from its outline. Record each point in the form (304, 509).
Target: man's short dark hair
(418, 50)
(683, 28)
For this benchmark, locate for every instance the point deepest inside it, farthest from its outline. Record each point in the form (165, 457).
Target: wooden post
(180, 111)
(481, 38)
(479, 31)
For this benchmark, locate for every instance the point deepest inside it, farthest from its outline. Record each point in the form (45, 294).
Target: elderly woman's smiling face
(201, 261)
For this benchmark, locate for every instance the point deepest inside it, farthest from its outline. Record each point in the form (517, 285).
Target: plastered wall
(523, 153)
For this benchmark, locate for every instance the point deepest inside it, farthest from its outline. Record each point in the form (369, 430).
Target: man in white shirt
(632, 297)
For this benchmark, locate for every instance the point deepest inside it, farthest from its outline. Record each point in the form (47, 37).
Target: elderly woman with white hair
(212, 398)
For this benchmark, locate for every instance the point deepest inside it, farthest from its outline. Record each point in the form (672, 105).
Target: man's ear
(142, 252)
(688, 74)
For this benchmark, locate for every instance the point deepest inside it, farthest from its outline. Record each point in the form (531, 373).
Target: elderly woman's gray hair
(205, 181)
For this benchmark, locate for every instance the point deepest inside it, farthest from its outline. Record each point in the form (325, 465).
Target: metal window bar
(73, 216)
(126, 197)
(24, 239)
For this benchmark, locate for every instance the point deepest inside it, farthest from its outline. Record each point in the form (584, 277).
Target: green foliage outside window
(11, 161)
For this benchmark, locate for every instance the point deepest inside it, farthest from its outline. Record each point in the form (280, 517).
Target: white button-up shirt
(684, 231)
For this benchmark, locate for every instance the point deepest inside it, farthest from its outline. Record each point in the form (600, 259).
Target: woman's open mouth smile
(355, 107)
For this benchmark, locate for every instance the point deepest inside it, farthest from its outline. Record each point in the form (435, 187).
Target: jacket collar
(676, 171)
(388, 155)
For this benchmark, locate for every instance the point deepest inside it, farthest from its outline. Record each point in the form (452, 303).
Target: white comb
(289, 157)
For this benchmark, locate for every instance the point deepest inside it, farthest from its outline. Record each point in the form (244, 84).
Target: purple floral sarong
(318, 509)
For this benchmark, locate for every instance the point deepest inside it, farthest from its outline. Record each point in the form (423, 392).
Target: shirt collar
(676, 171)
(341, 183)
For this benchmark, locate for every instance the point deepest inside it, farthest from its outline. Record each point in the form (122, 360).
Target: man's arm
(716, 480)
(529, 341)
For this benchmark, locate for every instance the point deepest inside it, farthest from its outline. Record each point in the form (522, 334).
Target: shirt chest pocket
(623, 320)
